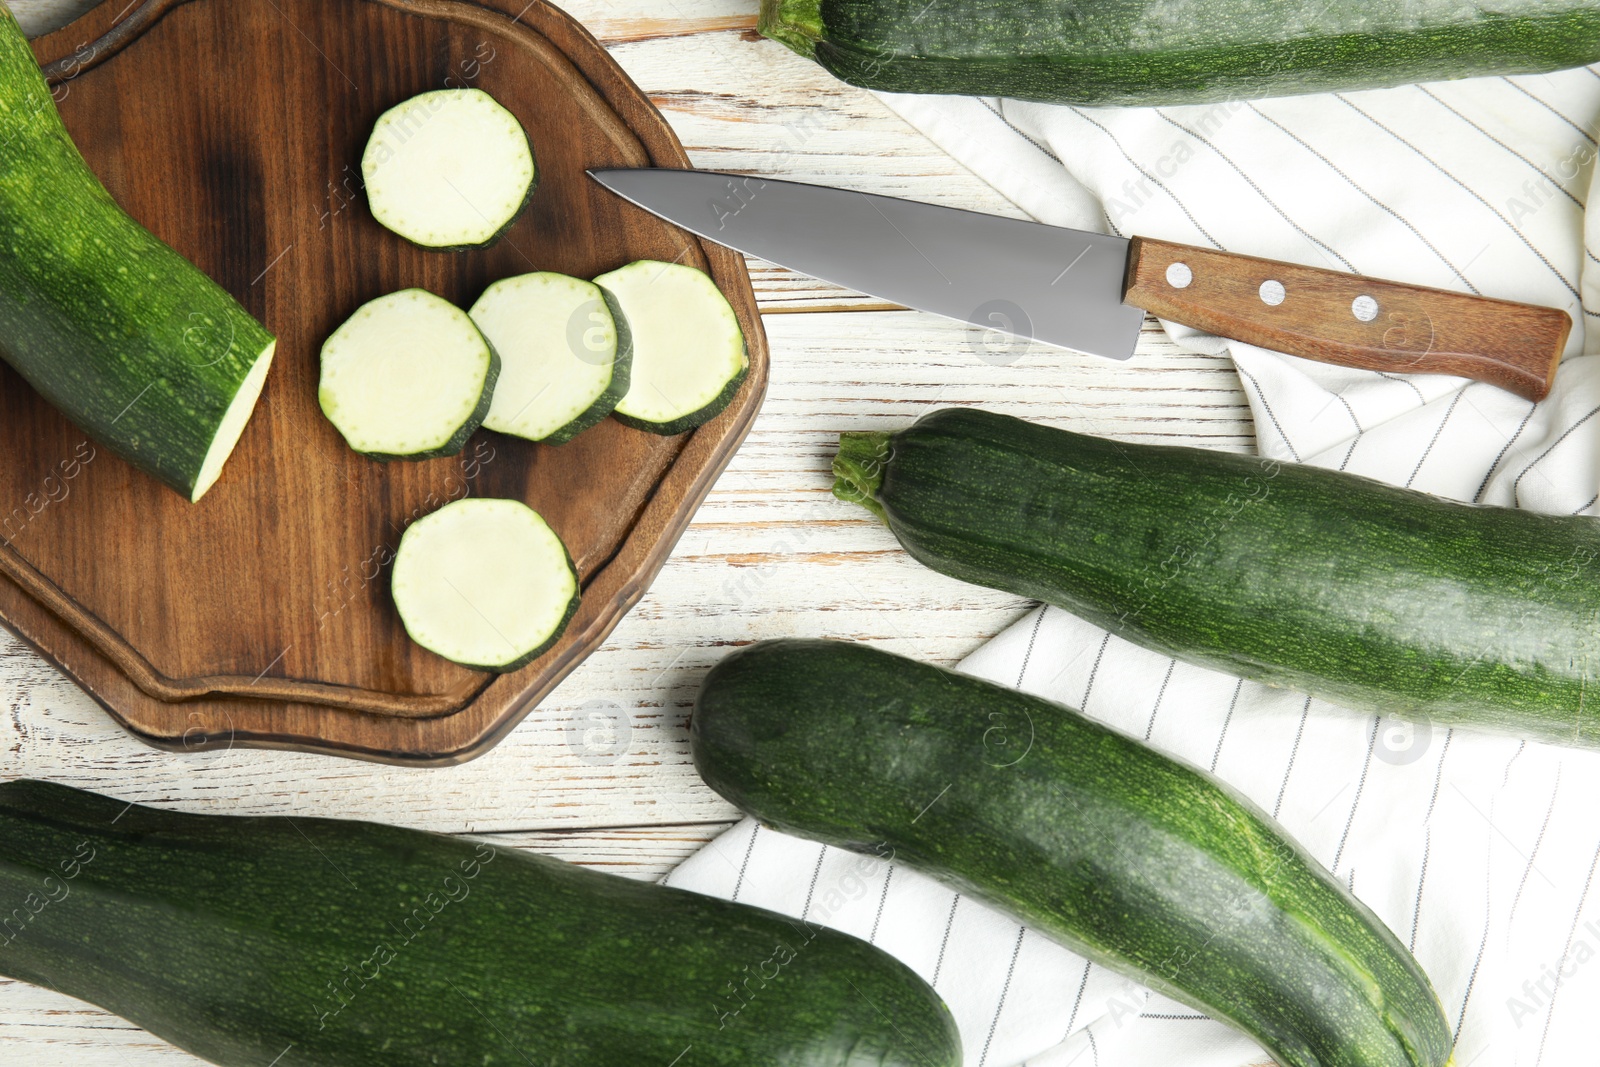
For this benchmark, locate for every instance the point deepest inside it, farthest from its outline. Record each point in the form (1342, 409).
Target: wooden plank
(770, 553)
(742, 103)
(643, 852)
(287, 644)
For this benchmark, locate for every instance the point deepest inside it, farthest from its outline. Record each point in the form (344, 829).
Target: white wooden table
(770, 554)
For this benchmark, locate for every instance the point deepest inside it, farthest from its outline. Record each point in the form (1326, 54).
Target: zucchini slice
(408, 376)
(484, 583)
(448, 170)
(119, 332)
(689, 356)
(564, 355)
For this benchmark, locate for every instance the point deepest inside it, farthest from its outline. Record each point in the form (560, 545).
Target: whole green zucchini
(1177, 51)
(299, 942)
(1382, 599)
(1136, 861)
(123, 335)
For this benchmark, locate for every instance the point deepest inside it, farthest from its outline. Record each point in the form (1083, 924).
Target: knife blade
(1089, 291)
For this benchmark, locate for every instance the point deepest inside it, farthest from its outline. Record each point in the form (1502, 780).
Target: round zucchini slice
(408, 376)
(484, 583)
(689, 356)
(564, 355)
(448, 170)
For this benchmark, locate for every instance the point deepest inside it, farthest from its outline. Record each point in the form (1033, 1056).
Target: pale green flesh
(234, 420)
(450, 168)
(484, 583)
(558, 347)
(404, 374)
(687, 344)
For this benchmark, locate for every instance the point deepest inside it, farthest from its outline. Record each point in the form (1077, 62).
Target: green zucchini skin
(621, 376)
(694, 419)
(345, 944)
(1381, 599)
(617, 282)
(1141, 863)
(1144, 52)
(127, 338)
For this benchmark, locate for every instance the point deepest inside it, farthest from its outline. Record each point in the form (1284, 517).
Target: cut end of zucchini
(564, 355)
(448, 169)
(689, 355)
(484, 583)
(796, 24)
(858, 469)
(408, 376)
(234, 420)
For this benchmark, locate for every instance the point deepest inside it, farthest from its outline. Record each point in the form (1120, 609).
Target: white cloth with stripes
(1479, 852)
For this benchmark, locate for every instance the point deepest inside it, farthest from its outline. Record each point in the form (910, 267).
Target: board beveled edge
(125, 26)
(215, 722)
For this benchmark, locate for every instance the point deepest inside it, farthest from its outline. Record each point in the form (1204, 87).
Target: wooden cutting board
(261, 616)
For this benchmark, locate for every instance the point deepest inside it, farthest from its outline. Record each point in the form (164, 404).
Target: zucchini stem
(858, 469)
(796, 24)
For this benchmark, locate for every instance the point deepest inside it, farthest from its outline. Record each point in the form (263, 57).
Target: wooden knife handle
(1349, 320)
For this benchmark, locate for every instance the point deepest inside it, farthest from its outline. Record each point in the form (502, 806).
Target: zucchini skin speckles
(234, 937)
(1377, 598)
(129, 340)
(1139, 862)
(1158, 52)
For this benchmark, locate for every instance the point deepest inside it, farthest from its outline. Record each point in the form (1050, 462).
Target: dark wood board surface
(261, 616)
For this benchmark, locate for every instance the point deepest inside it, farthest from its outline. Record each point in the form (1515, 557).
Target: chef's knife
(1089, 292)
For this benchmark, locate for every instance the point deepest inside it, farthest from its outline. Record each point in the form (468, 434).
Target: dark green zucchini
(1378, 598)
(1139, 862)
(1177, 51)
(298, 942)
(122, 334)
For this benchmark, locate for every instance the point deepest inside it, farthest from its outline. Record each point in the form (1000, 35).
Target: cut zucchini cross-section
(125, 337)
(564, 355)
(688, 350)
(484, 583)
(408, 376)
(449, 169)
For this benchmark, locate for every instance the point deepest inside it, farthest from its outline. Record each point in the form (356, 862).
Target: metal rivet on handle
(1364, 308)
(1179, 275)
(1272, 293)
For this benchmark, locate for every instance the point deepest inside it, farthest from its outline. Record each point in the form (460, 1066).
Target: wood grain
(262, 616)
(748, 565)
(1348, 320)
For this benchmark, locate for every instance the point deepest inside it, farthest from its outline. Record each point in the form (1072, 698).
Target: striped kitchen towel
(1479, 852)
